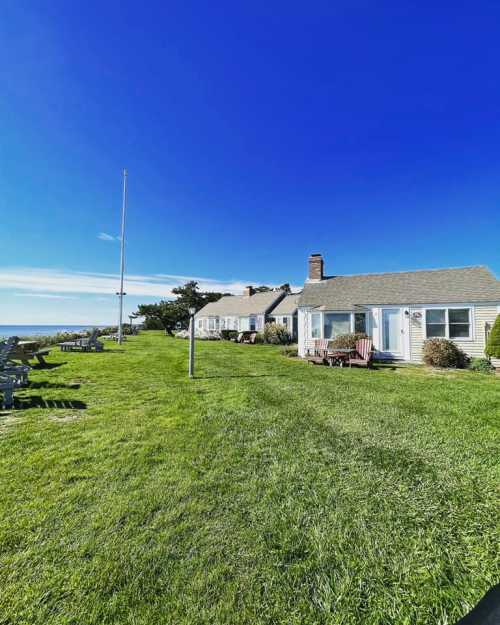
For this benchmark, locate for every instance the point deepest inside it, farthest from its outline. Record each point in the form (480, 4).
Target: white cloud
(60, 282)
(45, 295)
(104, 236)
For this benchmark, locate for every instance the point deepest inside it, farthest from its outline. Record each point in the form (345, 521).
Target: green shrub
(259, 337)
(493, 345)
(228, 335)
(347, 341)
(481, 365)
(61, 337)
(276, 334)
(290, 351)
(443, 353)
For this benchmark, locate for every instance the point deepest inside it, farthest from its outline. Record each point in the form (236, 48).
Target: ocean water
(6, 331)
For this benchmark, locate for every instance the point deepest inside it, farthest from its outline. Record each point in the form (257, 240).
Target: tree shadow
(23, 403)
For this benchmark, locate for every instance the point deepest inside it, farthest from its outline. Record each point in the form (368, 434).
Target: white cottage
(247, 312)
(285, 313)
(400, 310)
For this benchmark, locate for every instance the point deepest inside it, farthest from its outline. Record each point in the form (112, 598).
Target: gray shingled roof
(435, 286)
(287, 306)
(256, 304)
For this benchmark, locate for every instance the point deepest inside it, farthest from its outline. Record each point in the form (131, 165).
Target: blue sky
(254, 134)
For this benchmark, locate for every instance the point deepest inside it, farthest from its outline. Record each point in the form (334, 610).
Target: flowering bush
(347, 341)
(276, 334)
(443, 353)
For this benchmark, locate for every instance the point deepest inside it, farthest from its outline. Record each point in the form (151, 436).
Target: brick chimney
(248, 291)
(315, 268)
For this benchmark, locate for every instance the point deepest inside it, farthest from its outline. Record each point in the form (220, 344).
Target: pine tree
(493, 344)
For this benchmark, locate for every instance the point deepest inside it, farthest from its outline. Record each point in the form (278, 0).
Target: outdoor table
(338, 356)
(27, 350)
(29, 345)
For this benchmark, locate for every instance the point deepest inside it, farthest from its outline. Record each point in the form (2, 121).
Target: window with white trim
(244, 324)
(329, 325)
(316, 325)
(360, 323)
(200, 324)
(335, 324)
(448, 323)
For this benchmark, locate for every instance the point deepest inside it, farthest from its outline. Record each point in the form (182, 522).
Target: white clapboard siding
(483, 314)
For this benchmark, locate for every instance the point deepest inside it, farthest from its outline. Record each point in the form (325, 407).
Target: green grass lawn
(265, 490)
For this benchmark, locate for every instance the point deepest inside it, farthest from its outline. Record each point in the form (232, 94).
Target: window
(435, 321)
(360, 322)
(251, 323)
(459, 323)
(244, 324)
(335, 324)
(316, 325)
(284, 321)
(200, 324)
(211, 323)
(452, 323)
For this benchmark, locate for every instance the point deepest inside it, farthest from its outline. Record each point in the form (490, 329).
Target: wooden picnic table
(339, 356)
(27, 350)
(29, 344)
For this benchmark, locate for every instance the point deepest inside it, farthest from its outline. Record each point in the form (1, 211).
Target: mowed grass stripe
(263, 491)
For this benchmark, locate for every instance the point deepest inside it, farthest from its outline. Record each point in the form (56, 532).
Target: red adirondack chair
(317, 355)
(364, 353)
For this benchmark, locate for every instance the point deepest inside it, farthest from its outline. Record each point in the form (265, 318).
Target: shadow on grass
(36, 385)
(23, 403)
(243, 375)
(400, 461)
(48, 365)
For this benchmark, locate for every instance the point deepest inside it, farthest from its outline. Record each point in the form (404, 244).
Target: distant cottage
(248, 312)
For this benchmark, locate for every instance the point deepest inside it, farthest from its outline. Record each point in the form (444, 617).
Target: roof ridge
(253, 294)
(388, 273)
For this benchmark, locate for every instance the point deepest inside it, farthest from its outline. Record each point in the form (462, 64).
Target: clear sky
(254, 134)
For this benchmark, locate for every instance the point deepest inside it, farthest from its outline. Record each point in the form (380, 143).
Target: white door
(392, 340)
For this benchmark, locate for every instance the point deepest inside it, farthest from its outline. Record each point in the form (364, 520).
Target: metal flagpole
(192, 312)
(122, 255)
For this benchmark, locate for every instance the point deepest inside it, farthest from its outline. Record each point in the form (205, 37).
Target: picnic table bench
(29, 350)
(339, 356)
(84, 344)
(12, 375)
